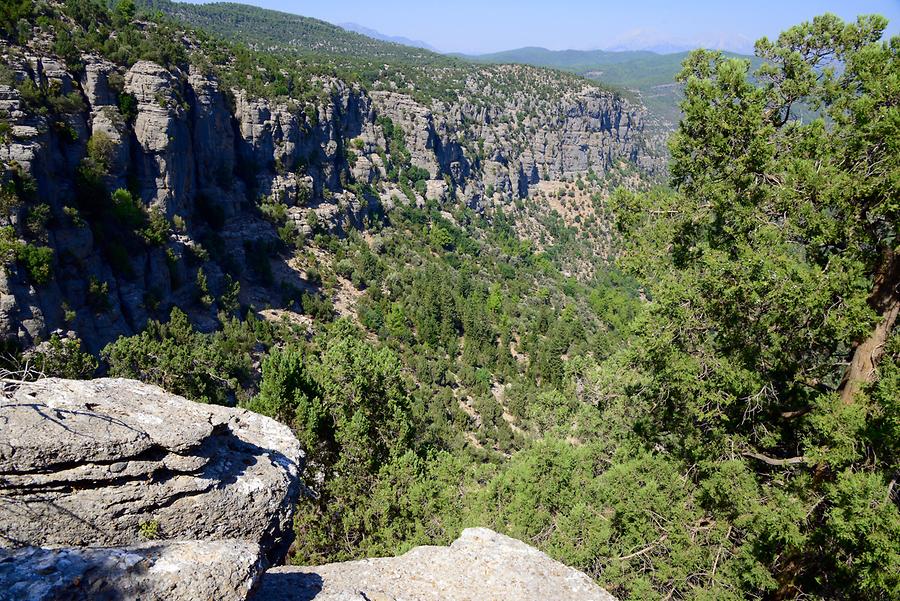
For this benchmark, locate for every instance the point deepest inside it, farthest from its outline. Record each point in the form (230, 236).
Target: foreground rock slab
(109, 462)
(480, 565)
(170, 571)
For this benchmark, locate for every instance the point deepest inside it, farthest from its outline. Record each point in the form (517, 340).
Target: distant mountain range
(661, 43)
(637, 40)
(396, 39)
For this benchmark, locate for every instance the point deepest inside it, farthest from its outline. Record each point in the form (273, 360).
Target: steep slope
(112, 489)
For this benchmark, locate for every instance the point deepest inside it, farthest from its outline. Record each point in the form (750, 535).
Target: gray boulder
(102, 462)
(479, 565)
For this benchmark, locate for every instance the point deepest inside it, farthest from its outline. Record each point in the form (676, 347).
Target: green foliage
(440, 239)
(317, 306)
(124, 12)
(16, 187)
(173, 355)
(126, 210)
(288, 393)
(63, 358)
(763, 266)
(274, 210)
(128, 106)
(101, 150)
(203, 295)
(11, 13)
(98, 295)
(348, 404)
(675, 426)
(149, 530)
(37, 220)
(229, 301)
(157, 228)
(636, 526)
(36, 260)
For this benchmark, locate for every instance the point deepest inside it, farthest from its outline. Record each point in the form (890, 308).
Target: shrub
(36, 222)
(149, 530)
(98, 295)
(66, 104)
(101, 150)
(63, 358)
(317, 306)
(126, 210)
(38, 262)
(156, 231)
(128, 106)
(273, 210)
(203, 295)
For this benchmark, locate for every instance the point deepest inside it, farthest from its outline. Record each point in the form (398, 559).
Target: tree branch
(775, 462)
(649, 547)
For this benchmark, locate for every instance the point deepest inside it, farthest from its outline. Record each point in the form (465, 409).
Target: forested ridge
(709, 411)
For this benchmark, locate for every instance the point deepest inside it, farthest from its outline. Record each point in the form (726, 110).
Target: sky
(479, 26)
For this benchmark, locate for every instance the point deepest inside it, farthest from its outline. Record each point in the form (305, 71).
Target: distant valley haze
(470, 27)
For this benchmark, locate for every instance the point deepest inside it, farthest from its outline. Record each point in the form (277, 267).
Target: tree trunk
(885, 299)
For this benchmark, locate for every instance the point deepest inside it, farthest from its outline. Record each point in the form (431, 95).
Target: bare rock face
(103, 462)
(479, 565)
(95, 81)
(174, 571)
(165, 178)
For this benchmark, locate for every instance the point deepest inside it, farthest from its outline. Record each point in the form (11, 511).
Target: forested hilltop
(647, 73)
(466, 291)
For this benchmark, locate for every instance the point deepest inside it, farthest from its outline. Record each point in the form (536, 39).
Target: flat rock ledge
(172, 571)
(113, 489)
(480, 565)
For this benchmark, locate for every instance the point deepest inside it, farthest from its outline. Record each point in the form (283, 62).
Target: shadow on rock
(293, 586)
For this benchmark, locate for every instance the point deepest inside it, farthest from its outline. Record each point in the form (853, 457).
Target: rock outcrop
(480, 565)
(116, 463)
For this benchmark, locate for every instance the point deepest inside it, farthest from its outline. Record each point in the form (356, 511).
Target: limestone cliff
(204, 158)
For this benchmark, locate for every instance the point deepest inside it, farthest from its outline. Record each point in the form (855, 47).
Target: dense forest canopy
(766, 359)
(713, 415)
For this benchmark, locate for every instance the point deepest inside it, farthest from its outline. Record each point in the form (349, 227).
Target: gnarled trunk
(885, 299)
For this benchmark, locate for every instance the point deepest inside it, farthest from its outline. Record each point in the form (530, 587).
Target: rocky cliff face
(116, 490)
(204, 158)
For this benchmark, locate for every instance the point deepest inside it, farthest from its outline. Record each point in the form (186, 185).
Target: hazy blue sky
(490, 25)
